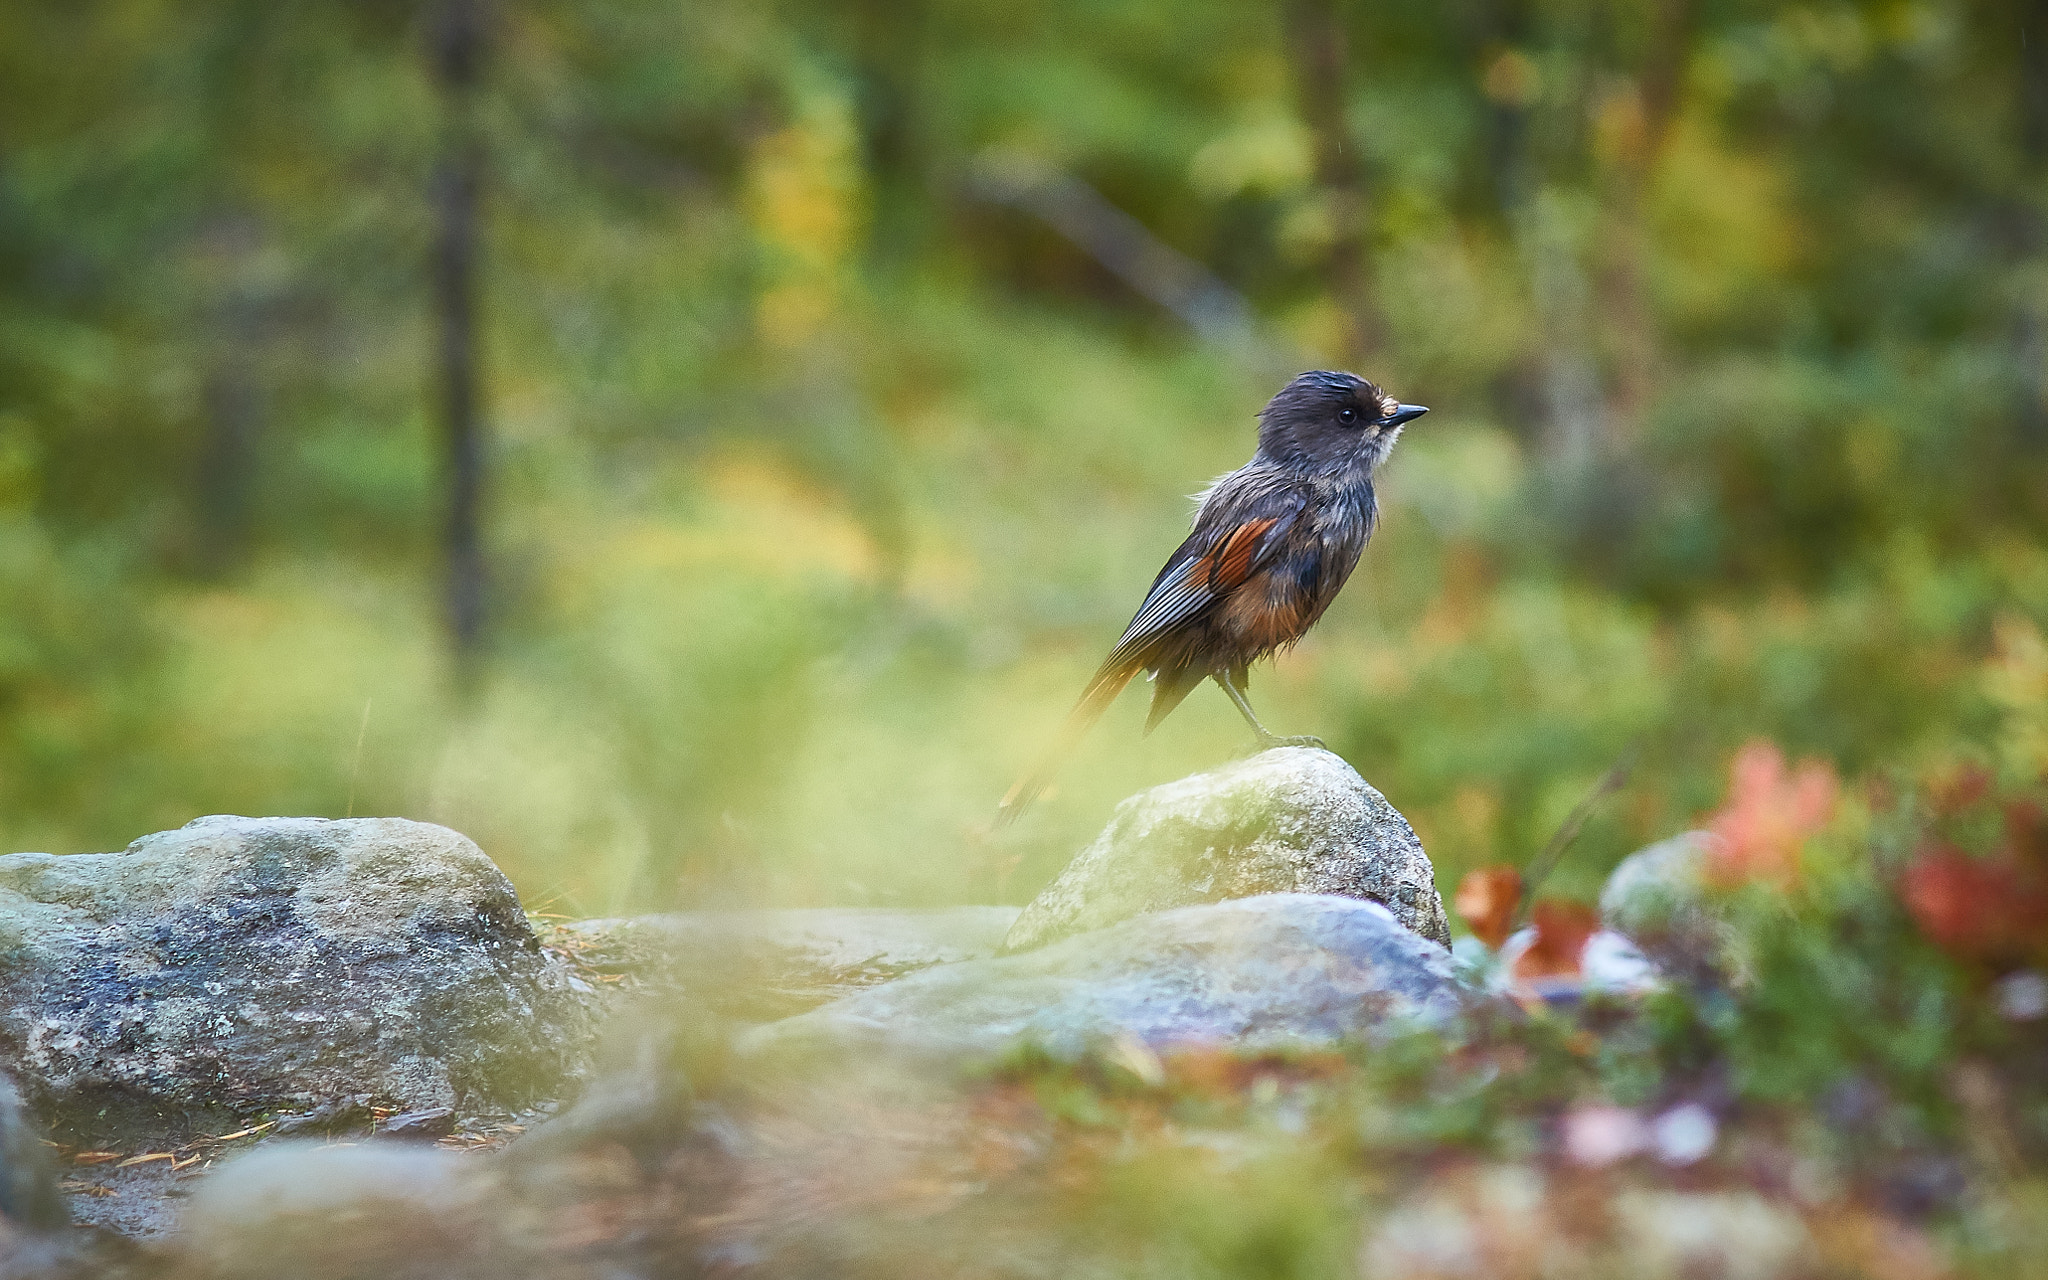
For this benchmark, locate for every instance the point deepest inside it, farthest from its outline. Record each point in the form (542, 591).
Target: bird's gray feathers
(1272, 544)
(1193, 579)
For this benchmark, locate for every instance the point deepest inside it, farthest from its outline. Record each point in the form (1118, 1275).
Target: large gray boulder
(1270, 971)
(1290, 820)
(242, 965)
(756, 966)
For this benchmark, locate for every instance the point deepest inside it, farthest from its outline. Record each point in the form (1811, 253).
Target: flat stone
(757, 966)
(381, 1209)
(1268, 971)
(434, 1122)
(1289, 820)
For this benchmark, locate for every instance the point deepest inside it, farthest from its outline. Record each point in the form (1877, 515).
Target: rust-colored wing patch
(1231, 562)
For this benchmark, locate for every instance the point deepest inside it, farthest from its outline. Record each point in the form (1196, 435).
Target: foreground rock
(757, 966)
(1292, 820)
(28, 1179)
(1281, 969)
(299, 1209)
(1508, 1220)
(241, 965)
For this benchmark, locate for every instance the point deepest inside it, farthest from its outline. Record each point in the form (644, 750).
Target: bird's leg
(1267, 741)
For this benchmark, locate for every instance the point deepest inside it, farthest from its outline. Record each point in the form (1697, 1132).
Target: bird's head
(1329, 421)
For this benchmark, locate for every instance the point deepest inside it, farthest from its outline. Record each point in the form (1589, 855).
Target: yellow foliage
(1268, 152)
(806, 200)
(1723, 222)
(2016, 680)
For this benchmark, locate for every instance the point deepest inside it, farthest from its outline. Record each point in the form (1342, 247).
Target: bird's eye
(1347, 415)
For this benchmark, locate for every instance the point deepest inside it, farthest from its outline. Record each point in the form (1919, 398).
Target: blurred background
(700, 450)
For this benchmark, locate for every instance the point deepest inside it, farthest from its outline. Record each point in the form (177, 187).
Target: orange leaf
(1562, 928)
(1768, 815)
(1486, 900)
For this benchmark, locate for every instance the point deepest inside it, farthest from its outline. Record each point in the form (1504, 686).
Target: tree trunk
(232, 395)
(2030, 346)
(1624, 282)
(457, 52)
(1317, 46)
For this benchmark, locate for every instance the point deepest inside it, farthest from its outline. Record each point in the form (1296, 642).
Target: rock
(1655, 882)
(240, 965)
(1280, 969)
(434, 1122)
(1508, 1220)
(1658, 898)
(388, 1210)
(28, 1177)
(1731, 1235)
(1467, 1224)
(350, 1115)
(757, 966)
(1609, 964)
(1290, 820)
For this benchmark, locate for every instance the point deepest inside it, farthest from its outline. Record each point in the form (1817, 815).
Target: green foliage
(820, 480)
(1857, 1076)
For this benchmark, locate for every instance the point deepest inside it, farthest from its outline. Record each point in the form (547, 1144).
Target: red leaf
(1991, 909)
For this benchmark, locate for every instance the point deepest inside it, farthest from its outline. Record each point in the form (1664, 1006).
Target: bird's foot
(1269, 741)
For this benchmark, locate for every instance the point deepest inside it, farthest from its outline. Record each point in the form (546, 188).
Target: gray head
(1329, 421)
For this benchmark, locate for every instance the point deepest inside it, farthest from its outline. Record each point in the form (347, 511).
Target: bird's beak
(1403, 413)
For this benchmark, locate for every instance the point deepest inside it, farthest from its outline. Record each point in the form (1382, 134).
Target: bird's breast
(1281, 602)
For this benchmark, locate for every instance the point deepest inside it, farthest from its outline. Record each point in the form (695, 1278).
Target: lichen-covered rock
(1291, 820)
(239, 965)
(1275, 970)
(757, 966)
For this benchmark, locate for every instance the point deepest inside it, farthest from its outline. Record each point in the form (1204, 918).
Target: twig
(1546, 862)
(1218, 313)
(356, 765)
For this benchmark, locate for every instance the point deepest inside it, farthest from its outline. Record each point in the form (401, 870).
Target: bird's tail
(1109, 681)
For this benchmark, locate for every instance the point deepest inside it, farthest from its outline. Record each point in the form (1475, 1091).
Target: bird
(1272, 544)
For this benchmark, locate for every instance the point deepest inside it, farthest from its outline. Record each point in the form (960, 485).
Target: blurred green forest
(843, 368)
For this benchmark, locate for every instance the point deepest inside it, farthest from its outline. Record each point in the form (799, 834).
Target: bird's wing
(1206, 569)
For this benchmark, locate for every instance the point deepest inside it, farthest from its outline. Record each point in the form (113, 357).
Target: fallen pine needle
(95, 1157)
(242, 1133)
(154, 1155)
